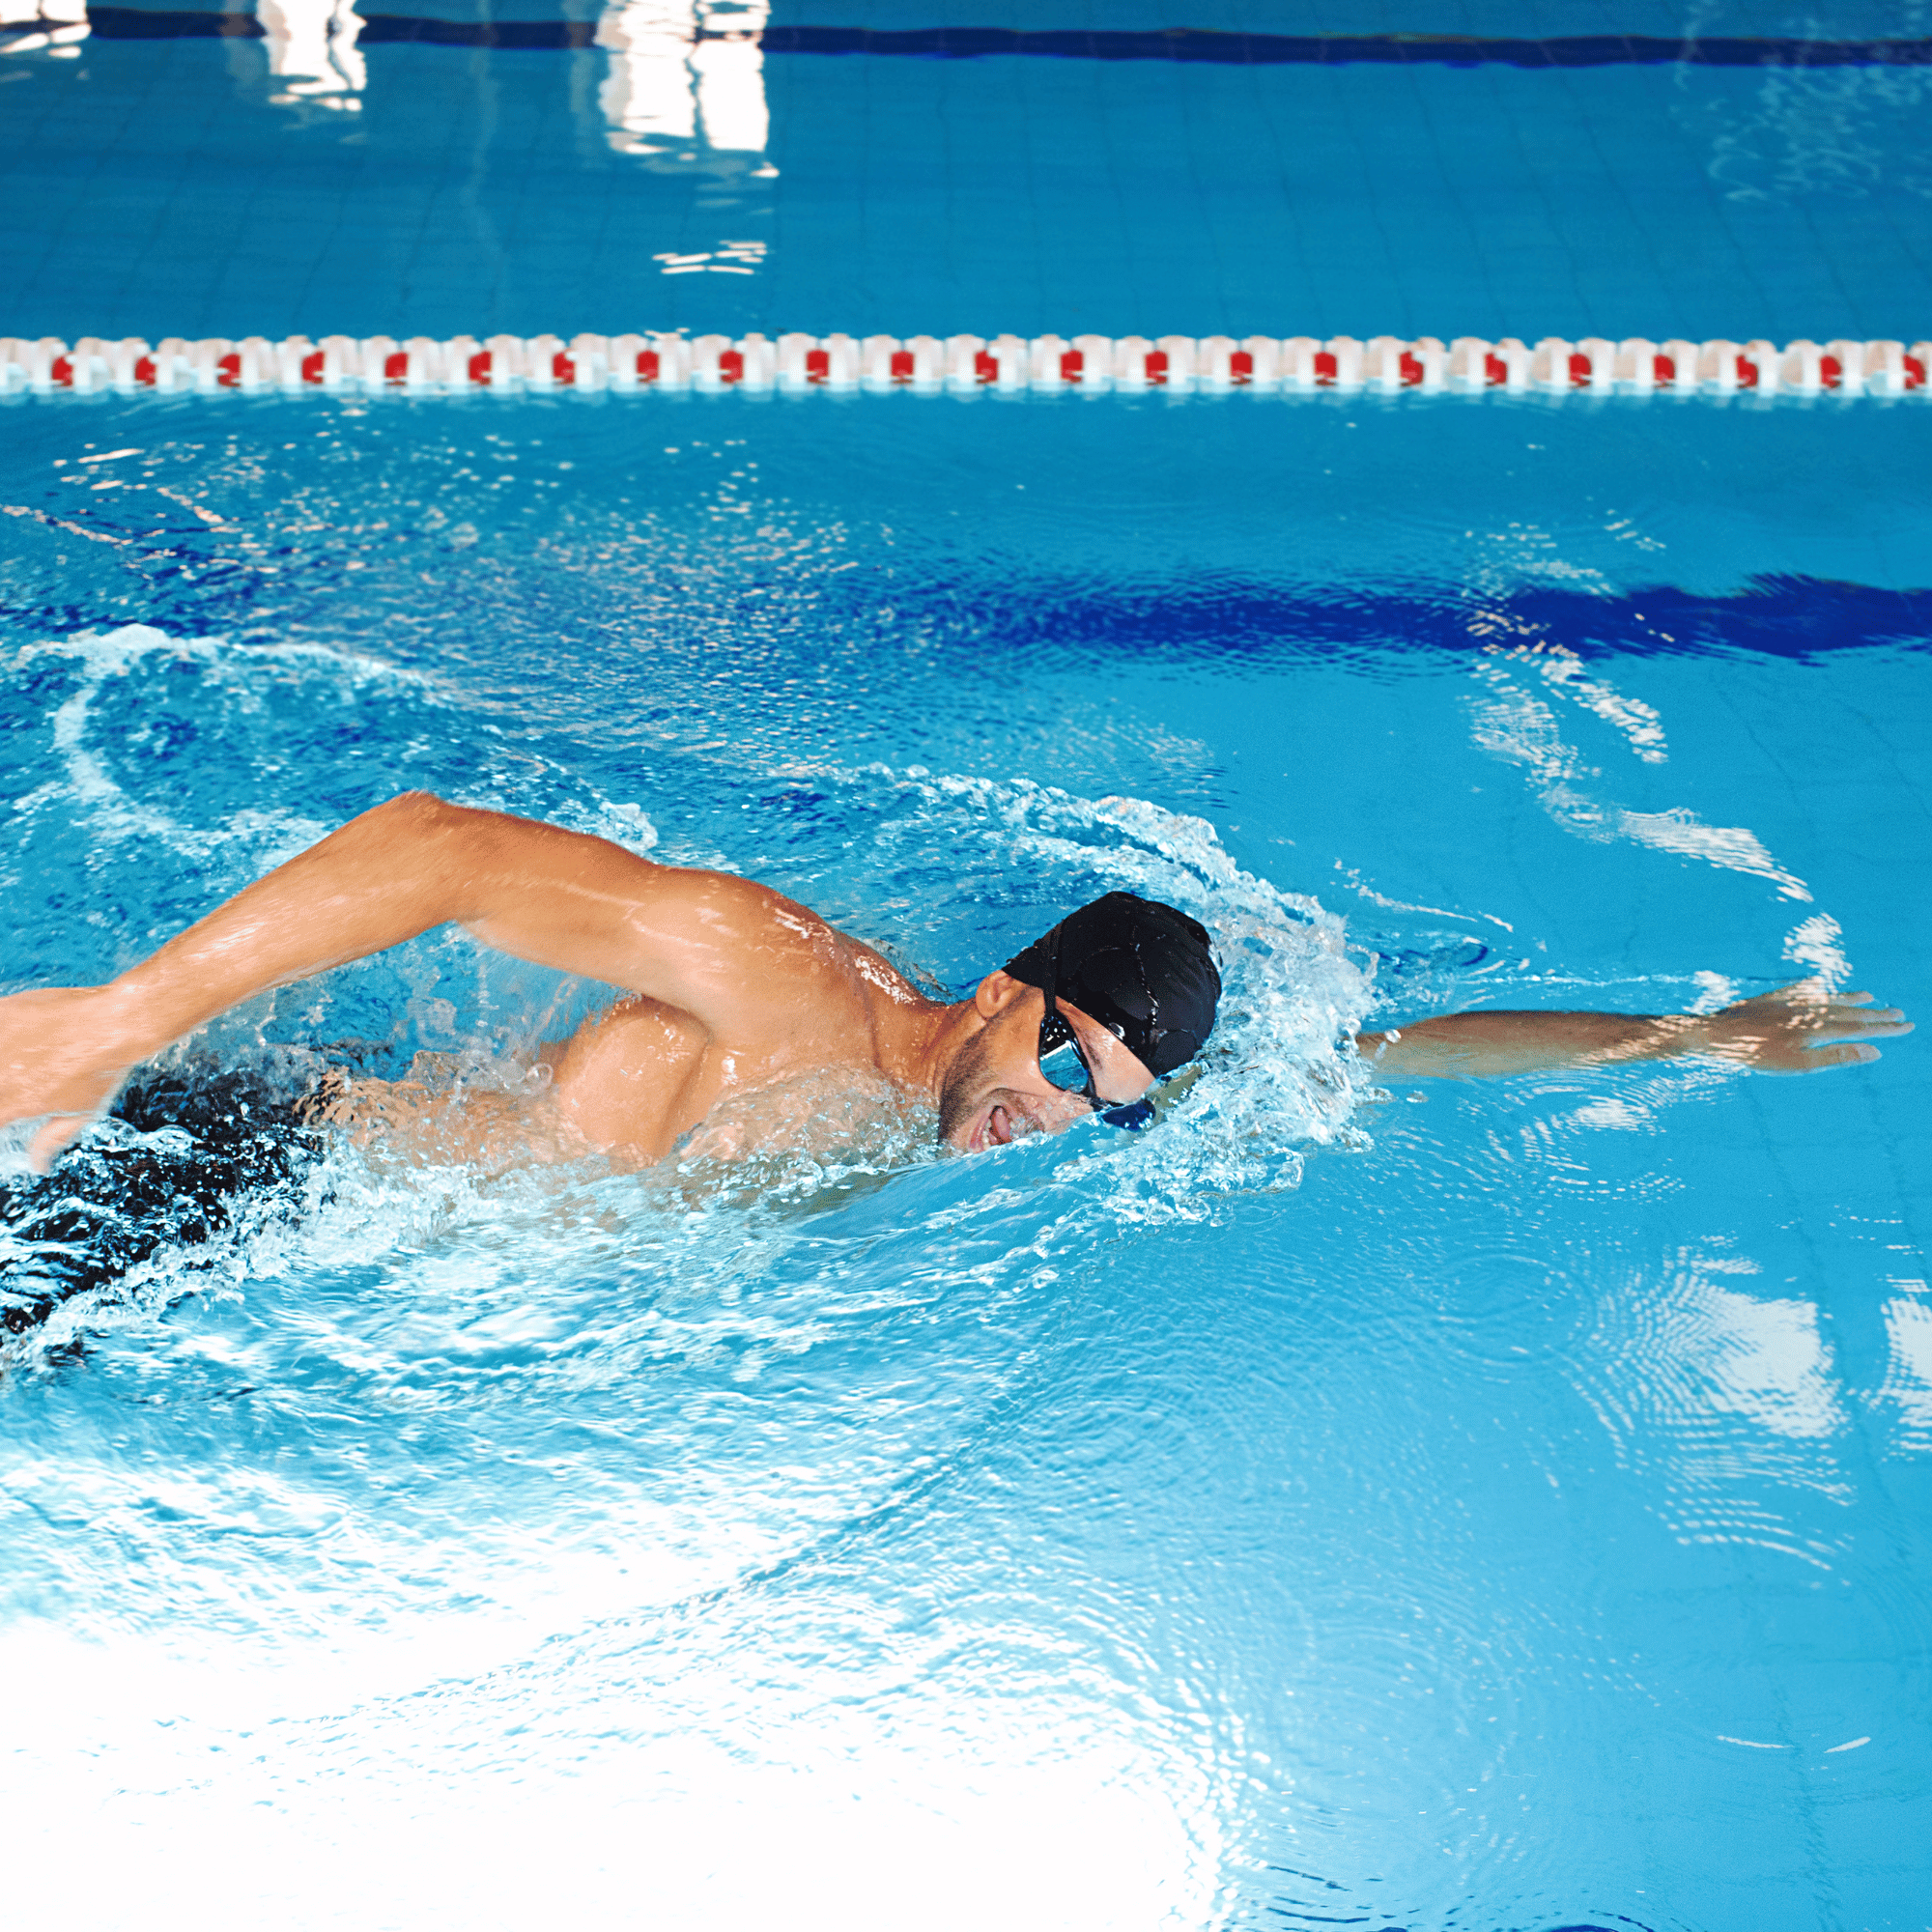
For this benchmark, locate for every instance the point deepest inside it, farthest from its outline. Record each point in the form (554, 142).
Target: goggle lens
(1062, 1064)
(1065, 1068)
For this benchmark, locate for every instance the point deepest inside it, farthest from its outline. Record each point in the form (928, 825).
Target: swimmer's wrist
(135, 1022)
(1693, 1034)
(1675, 1037)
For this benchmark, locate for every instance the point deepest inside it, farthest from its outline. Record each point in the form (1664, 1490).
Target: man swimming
(733, 992)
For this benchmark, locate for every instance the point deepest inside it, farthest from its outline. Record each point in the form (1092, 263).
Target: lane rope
(960, 365)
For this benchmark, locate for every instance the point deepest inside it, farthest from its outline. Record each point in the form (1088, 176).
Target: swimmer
(733, 992)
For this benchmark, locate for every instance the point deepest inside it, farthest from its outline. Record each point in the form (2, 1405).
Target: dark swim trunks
(182, 1158)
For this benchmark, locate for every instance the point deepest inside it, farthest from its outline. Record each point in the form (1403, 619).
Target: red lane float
(966, 366)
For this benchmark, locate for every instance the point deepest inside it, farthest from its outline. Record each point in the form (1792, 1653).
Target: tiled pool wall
(692, 165)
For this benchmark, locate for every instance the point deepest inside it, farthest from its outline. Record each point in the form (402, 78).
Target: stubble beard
(961, 1094)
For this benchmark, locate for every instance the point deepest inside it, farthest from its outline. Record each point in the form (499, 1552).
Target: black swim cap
(1141, 969)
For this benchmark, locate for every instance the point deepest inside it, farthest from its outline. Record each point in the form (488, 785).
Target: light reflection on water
(312, 53)
(685, 78)
(683, 88)
(1477, 1511)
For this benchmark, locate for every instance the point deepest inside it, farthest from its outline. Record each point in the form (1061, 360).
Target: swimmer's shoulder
(796, 963)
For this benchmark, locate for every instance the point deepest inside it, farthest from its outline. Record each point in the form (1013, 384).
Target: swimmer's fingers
(1856, 1007)
(1845, 1022)
(1810, 995)
(1814, 1059)
(1802, 1029)
(61, 1057)
(1844, 1041)
(54, 1139)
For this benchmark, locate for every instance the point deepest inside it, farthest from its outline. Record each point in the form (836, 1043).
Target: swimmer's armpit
(1797, 1029)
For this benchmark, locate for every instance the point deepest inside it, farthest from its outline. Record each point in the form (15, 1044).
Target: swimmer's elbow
(413, 808)
(418, 818)
(414, 837)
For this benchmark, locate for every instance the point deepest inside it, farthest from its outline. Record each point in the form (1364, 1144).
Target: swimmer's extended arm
(711, 945)
(1797, 1029)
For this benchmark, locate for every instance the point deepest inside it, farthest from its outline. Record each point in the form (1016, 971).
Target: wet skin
(732, 990)
(733, 994)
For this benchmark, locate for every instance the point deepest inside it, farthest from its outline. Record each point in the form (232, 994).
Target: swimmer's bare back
(730, 986)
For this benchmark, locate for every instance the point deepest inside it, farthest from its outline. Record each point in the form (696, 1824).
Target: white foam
(1515, 726)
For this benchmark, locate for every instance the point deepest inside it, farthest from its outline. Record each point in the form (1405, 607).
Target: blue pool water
(1451, 1507)
(236, 186)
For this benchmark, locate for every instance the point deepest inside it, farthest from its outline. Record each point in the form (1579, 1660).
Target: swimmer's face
(994, 1091)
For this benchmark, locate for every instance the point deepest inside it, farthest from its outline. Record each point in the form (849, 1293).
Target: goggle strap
(1053, 1026)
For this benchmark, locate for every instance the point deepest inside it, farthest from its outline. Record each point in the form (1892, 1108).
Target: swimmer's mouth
(999, 1126)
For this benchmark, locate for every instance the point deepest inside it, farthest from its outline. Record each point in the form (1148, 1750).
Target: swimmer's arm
(711, 945)
(1797, 1029)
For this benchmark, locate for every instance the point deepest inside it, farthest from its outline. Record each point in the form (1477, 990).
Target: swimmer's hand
(63, 1053)
(1800, 1028)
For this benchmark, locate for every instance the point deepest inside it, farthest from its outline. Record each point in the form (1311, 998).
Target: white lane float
(961, 365)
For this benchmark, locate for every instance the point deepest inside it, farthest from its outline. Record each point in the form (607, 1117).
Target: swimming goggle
(1063, 1065)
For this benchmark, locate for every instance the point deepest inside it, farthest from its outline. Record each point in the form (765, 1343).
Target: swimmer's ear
(997, 991)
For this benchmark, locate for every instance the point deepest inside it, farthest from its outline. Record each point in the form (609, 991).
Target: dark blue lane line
(1228, 620)
(1176, 44)
(1187, 44)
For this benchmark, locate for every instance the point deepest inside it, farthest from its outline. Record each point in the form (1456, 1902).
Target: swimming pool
(1481, 1506)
